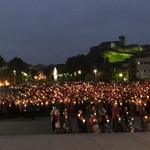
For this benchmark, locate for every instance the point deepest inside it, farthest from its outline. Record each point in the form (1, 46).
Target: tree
(34, 72)
(20, 67)
(95, 57)
(2, 69)
(48, 71)
(106, 71)
(70, 65)
(79, 62)
(132, 71)
(2, 62)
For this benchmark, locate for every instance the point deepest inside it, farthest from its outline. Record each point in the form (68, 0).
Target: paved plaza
(119, 141)
(37, 135)
(41, 125)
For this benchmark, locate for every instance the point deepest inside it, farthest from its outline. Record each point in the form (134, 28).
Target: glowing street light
(14, 76)
(79, 71)
(95, 72)
(120, 75)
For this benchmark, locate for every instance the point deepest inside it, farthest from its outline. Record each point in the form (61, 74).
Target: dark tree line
(85, 63)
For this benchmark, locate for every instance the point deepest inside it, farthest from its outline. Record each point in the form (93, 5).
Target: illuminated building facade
(143, 68)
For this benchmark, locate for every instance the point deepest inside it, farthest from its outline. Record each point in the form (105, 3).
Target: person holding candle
(81, 121)
(57, 121)
(115, 115)
(94, 125)
(144, 119)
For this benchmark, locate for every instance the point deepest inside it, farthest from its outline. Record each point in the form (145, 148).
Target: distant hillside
(117, 51)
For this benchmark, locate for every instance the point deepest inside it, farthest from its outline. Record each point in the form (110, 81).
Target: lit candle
(83, 120)
(107, 121)
(146, 117)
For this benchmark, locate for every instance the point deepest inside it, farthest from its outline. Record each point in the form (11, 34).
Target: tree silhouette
(2, 62)
(19, 66)
(132, 71)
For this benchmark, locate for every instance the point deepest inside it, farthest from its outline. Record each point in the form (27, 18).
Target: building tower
(122, 40)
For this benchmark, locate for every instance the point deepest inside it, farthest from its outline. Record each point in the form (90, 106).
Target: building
(143, 68)
(113, 44)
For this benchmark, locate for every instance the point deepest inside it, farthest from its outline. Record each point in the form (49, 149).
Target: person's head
(106, 117)
(115, 105)
(57, 112)
(54, 108)
(65, 113)
(80, 111)
(65, 109)
(125, 108)
(93, 107)
(92, 116)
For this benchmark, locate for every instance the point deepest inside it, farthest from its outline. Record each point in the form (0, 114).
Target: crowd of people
(101, 100)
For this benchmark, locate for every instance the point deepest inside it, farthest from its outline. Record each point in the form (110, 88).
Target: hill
(117, 51)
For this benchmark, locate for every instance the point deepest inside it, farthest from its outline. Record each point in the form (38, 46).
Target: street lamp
(79, 71)
(120, 75)
(14, 76)
(95, 72)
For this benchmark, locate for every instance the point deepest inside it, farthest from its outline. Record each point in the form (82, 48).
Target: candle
(83, 120)
(107, 121)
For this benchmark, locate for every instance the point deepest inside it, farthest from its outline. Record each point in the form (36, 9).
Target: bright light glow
(79, 71)
(14, 72)
(125, 79)
(25, 74)
(95, 71)
(41, 76)
(6, 83)
(55, 74)
(116, 56)
(120, 75)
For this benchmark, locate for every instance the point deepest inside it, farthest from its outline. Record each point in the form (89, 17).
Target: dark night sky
(50, 31)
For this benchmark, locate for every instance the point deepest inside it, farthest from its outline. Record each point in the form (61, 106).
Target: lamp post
(14, 76)
(79, 72)
(95, 72)
(120, 75)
